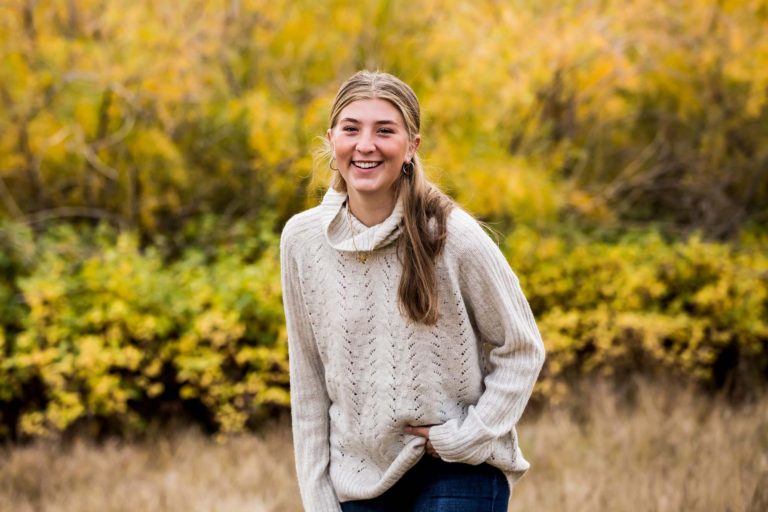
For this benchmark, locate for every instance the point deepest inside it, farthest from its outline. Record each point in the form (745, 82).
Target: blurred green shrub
(612, 111)
(109, 335)
(691, 308)
(104, 334)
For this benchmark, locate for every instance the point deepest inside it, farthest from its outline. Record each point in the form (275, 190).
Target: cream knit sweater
(360, 371)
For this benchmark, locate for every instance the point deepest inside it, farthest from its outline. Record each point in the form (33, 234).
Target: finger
(414, 430)
(418, 431)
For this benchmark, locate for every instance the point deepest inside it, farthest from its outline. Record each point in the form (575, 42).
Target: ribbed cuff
(468, 443)
(329, 504)
(322, 498)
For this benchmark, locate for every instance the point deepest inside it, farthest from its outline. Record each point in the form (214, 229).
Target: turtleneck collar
(366, 238)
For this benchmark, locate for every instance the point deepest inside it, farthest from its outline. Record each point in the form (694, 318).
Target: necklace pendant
(361, 257)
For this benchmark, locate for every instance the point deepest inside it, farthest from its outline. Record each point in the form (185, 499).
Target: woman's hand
(423, 432)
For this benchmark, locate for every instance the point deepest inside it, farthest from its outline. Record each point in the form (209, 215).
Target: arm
(309, 399)
(504, 319)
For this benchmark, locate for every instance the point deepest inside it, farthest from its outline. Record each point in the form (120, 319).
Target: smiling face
(370, 143)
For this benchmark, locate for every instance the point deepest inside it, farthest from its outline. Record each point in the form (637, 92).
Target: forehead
(371, 110)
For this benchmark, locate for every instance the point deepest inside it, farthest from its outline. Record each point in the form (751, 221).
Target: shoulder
(473, 250)
(466, 235)
(301, 230)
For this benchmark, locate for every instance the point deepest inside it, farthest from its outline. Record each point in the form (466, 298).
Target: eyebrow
(353, 120)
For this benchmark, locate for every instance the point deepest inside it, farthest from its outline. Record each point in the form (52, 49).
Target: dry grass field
(673, 450)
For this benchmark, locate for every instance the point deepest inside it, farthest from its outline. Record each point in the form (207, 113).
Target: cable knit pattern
(361, 371)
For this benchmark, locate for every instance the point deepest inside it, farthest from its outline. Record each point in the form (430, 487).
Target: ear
(329, 136)
(413, 147)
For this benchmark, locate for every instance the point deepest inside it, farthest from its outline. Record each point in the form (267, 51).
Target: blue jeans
(434, 485)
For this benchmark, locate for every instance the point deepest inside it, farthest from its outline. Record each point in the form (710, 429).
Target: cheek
(395, 150)
(342, 147)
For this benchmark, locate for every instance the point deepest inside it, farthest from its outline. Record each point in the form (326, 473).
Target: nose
(365, 143)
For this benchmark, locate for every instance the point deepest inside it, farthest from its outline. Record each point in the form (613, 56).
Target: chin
(366, 190)
(364, 186)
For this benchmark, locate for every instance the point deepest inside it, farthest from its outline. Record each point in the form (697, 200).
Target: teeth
(366, 165)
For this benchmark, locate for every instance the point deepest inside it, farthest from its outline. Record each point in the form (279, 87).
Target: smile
(366, 165)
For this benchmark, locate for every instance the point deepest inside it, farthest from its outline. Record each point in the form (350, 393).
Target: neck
(370, 210)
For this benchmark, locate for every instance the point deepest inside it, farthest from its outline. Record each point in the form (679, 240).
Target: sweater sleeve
(309, 399)
(503, 318)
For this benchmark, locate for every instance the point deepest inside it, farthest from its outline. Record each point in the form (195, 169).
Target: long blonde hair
(420, 246)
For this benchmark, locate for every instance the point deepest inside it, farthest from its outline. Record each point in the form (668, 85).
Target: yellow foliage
(534, 115)
(212, 104)
(114, 329)
(645, 305)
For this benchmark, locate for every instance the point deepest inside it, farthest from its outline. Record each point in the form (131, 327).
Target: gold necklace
(361, 256)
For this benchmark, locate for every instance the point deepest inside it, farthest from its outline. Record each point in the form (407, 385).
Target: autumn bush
(611, 111)
(150, 154)
(111, 338)
(105, 336)
(642, 304)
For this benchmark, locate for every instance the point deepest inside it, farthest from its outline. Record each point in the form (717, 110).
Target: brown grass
(671, 450)
(183, 472)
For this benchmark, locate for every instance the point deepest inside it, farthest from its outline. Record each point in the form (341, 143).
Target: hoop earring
(407, 169)
(330, 164)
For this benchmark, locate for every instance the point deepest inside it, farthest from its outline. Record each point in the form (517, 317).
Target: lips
(365, 165)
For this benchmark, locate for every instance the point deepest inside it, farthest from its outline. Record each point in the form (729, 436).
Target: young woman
(408, 332)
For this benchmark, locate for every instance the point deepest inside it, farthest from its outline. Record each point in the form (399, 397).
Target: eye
(349, 129)
(387, 130)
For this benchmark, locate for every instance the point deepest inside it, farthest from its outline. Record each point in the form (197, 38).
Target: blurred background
(151, 151)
